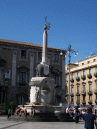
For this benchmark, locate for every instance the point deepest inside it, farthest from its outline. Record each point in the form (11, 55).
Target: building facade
(83, 82)
(18, 61)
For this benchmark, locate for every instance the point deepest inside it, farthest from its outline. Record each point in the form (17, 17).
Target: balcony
(83, 82)
(89, 76)
(83, 93)
(96, 101)
(78, 101)
(95, 74)
(96, 80)
(90, 92)
(77, 78)
(72, 94)
(66, 94)
(90, 101)
(77, 94)
(83, 77)
(95, 91)
(72, 102)
(72, 84)
(66, 101)
(72, 80)
(84, 101)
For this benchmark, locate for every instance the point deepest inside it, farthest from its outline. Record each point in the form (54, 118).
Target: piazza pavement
(6, 124)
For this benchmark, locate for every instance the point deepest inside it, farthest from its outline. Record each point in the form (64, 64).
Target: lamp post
(76, 53)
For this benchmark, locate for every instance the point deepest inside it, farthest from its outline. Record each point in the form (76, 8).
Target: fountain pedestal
(42, 91)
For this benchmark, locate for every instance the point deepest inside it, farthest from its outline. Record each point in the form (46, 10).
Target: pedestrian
(77, 114)
(89, 119)
(9, 111)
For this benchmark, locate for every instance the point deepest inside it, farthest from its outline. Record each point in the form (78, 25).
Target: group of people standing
(88, 117)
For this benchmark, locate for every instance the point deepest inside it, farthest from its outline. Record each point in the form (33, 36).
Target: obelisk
(45, 40)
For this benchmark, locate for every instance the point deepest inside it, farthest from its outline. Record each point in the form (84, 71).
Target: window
(83, 72)
(78, 97)
(88, 62)
(96, 69)
(39, 55)
(78, 89)
(90, 87)
(82, 63)
(1, 75)
(23, 54)
(72, 75)
(89, 71)
(56, 78)
(84, 88)
(66, 89)
(78, 74)
(56, 57)
(90, 97)
(71, 99)
(96, 85)
(72, 90)
(83, 98)
(21, 99)
(22, 77)
(94, 60)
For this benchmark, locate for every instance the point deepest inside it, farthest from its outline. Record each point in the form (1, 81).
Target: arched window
(21, 99)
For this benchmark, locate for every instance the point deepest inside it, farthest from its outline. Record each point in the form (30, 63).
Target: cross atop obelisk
(45, 36)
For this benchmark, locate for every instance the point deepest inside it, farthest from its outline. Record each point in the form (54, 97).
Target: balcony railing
(66, 94)
(90, 92)
(77, 78)
(83, 92)
(72, 94)
(77, 94)
(72, 80)
(83, 77)
(72, 84)
(72, 102)
(90, 101)
(95, 91)
(95, 74)
(96, 101)
(83, 101)
(78, 101)
(83, 82)
(89, 76)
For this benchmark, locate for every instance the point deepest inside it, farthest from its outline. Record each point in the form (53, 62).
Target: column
(14, 68)
(31, 65)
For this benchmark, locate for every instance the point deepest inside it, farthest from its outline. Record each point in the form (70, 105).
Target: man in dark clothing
(89, 119)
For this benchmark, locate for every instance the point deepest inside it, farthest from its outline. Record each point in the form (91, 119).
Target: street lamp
(76, 53)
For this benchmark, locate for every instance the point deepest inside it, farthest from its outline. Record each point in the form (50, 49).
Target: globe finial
(47, 25)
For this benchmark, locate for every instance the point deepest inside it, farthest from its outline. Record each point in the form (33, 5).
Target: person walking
(89, 119)
(77, 113)
(9, 112)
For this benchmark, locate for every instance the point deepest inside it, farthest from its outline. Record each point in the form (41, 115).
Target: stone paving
(5, 124)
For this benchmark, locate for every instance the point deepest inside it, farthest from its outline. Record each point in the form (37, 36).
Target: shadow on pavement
(12, 125)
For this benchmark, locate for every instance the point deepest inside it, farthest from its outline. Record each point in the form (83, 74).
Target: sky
(72, 22)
